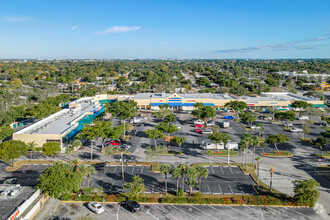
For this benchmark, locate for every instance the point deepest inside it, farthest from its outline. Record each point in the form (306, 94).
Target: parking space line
(133, 169)
(240, 189)
(184, 212)
(149, 213)
(221, 169)
(208, 188)
(115, 169)
(298, 212)
(241, 212)
(126, 211)
(220, 189)
(212, 169)
(152, 191)
(142, 169)
(231, 190)
(278, 212)
(164, 211)
(231, 170)
(203, 212)
(106, 168)
(222, 212)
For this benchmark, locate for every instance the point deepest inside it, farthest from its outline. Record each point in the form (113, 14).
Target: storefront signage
(190, 100)
(14, 215)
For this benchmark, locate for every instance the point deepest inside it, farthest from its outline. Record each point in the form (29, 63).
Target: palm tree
(261, 130)
(165, 169)
(258, 168)
(89, 172)
(76, 144)
(177, 173)
(191, 172)
(305, 129)
(183, 168)
(31, 147)
(271, 171)
(256, 141)
(69, 149)
(245, 141)
(202, 172)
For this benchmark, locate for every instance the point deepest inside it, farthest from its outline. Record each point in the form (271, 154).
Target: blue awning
(209, 104)
(188, 104)
(175, 104)
(157, 104)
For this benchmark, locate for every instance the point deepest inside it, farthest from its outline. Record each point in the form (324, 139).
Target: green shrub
(65, 197)
(97, 198)
(87, 190)
(86, 198)
(180, 193)
(179, 200)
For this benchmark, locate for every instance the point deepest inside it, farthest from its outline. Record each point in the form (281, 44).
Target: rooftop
(61, 121)
(11, 196)
(286, 96)
(189, 96)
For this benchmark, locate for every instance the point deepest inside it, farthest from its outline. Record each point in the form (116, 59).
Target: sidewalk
(48, 209)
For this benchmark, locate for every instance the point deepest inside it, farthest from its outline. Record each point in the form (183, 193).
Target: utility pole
(122, 168)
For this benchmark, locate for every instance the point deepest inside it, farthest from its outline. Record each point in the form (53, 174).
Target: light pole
(92, 151)
(122, 168)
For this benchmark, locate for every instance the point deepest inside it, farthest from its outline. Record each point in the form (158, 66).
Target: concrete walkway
(47, 210)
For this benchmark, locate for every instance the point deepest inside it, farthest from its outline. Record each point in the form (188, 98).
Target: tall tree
(165, 169)
(89, 172)
(111, 151)
(255, 141)
(136, 187)
(305, 129)
(244, 144)
(31, 146)
(277, 139)
(258, 169)
(177, 174)
(68, 150)
(219, 137)
(202, 172)
(154, 153)
(321, 142)
(271, 171)
(248, 117)
(192, 174)
(306, 191)
(11, 150)
(237, 106)
(154, 134)
(178, 140)
(51, 148)
(183, 167)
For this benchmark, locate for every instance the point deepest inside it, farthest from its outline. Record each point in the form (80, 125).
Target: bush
(65, 197)
(97, 198)
(87, 190)
(226, 200)
(180, 193)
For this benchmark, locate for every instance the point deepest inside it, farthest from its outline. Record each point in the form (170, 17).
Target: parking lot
(181, 212)
(221, 180)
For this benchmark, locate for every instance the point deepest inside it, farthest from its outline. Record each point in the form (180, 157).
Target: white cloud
(15, 19)
(74, 27)
(119, 29)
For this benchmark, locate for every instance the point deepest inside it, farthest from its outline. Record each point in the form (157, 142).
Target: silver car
(95, 207)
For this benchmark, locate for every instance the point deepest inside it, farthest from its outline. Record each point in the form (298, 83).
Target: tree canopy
(11, 150)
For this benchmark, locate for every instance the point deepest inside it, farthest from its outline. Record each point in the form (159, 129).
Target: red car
(199, 126)
(199, 130)
(115, 142)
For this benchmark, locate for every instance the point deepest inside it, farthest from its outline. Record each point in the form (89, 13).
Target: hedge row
(261, 200)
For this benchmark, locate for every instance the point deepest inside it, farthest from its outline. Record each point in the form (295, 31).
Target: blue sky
(112, 29)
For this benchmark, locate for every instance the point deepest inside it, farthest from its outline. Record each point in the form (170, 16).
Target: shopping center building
(65, 124)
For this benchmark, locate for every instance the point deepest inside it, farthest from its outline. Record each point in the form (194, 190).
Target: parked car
(99, 166)
(232, 145)
(206, 141)
(95, 207)
(322, 123)
(288, 124)
(132, 206)
(254, 127)
(199, 122)
(177, 124)
(199, 126)
(210, 123)
(125, 147)
(212, 146)
(115, 142)
(225, 124)
(198, 130)
(263, 117)
(207, 131)
(274, 122)
(229, 117)
(303, 118)
(296, 130)
(133, 132)
(138, 120)
(10, 181)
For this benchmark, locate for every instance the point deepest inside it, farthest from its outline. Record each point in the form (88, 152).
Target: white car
(207, 131)
(177, 124)
(254, 127)
(95, 207)
(303, 117)
(206, 141)
(274, 122)
(296, 130)
(199, 122)
(288, 124)
(210, 123)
